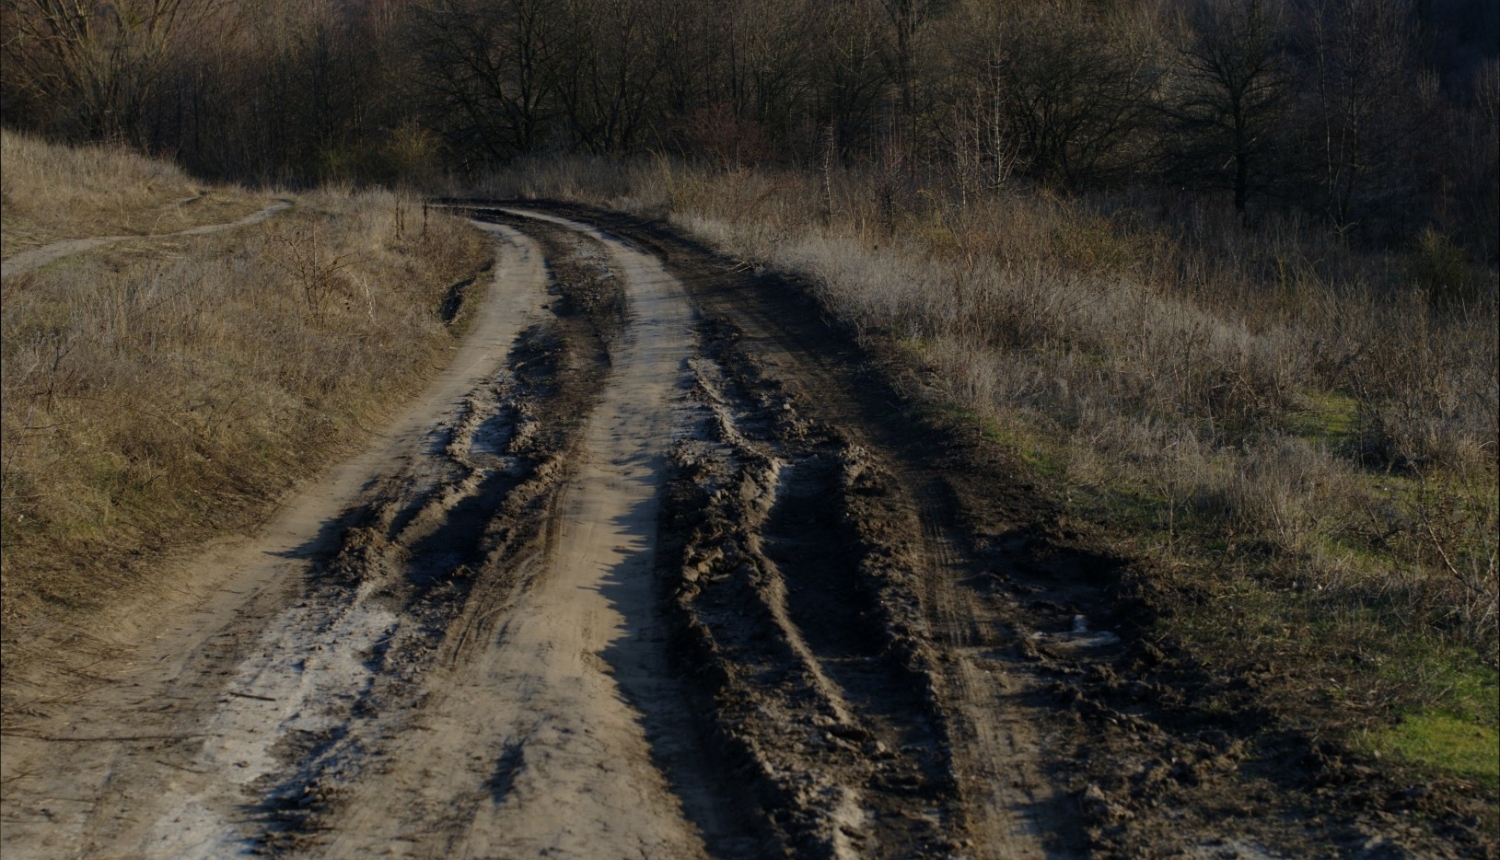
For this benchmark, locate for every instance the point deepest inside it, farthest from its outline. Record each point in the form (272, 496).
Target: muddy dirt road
(657, 568)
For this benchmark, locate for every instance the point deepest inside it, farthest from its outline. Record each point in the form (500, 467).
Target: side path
(26, 261)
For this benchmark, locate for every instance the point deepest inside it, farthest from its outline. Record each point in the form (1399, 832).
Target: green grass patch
(1457, 681)
(1032, 451)
(1326, 416)
(1447, 743)
(1145, 514)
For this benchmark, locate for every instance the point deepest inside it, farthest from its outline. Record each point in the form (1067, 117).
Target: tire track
(997, 716)
(789, 608)
(1010, 809)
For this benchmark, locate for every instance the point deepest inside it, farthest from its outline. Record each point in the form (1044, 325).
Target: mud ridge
(797, 623)
(594, 292)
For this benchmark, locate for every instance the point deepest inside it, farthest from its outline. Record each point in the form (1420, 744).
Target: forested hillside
(1376, 118)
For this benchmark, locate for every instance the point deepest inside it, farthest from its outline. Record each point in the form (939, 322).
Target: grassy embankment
(163, 391)
(1297, 439)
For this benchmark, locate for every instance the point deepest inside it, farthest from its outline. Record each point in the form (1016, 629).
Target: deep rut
(790, 621)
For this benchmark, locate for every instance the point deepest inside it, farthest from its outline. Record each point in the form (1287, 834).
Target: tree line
(1377, 116)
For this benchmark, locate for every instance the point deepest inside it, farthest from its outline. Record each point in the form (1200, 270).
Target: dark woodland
(1375, 118)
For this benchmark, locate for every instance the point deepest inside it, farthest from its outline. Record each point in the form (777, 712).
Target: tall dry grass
(1265, 400)
(49, 193)
(167, 390)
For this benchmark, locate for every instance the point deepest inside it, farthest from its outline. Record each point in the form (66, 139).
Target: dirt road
(539, 729)
(653, 570)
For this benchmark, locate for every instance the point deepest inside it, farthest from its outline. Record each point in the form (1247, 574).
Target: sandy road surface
(293, 711)
(544, 714)
(38, 257)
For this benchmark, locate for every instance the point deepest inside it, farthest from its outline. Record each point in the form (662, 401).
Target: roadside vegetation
(165, 391)
(1295, 439)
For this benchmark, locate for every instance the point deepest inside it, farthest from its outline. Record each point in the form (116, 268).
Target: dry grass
(1265, 411)
(168, 390)
(49, 193)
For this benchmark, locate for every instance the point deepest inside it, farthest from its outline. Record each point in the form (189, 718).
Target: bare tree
(493, 68)
(1227, 92)
(608, 73)
(851, 84)
(974, 93)
(1079, 86)
(907, 18)
(1366, 105)
(95, 62)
